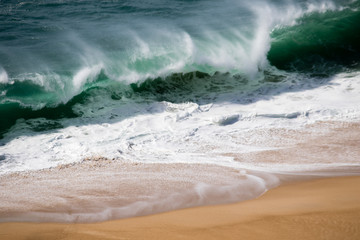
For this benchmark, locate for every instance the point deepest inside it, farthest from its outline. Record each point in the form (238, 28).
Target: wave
(318, 39)
(200, 87)
(158, 59)
(22, 99)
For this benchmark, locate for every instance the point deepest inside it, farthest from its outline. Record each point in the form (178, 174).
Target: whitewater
(117, 109)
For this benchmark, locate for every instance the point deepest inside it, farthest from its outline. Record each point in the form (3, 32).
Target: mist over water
(131, 42)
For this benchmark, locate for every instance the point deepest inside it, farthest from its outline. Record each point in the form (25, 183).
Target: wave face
(321, 39)
(161, 50)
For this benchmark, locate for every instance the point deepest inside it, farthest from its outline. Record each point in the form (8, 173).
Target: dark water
(55, 55)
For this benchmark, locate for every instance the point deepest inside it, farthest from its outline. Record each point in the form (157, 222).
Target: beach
(317, 209)
(100, 189)
(101, 198)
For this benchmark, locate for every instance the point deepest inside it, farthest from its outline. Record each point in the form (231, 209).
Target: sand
(318, 209)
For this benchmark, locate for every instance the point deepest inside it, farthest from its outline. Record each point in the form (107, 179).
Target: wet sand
(317, 209)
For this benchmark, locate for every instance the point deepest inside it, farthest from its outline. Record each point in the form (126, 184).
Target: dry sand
(318, 209)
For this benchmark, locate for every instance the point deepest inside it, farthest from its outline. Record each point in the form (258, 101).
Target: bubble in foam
(226, 120)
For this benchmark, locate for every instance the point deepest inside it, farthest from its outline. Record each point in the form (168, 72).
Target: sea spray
(56, 56)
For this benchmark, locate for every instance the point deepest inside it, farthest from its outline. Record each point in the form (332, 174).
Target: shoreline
(100, 189)
(327, 208)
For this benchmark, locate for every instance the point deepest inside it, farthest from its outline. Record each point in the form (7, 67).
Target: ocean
(204, 87)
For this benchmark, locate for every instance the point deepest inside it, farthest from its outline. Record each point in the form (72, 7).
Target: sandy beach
(317, 209)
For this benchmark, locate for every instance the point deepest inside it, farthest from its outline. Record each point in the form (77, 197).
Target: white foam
(169, 132)
(86, 75)
(226, 120)
(3, 76)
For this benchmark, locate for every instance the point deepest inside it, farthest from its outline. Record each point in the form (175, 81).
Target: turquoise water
(58, 54)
